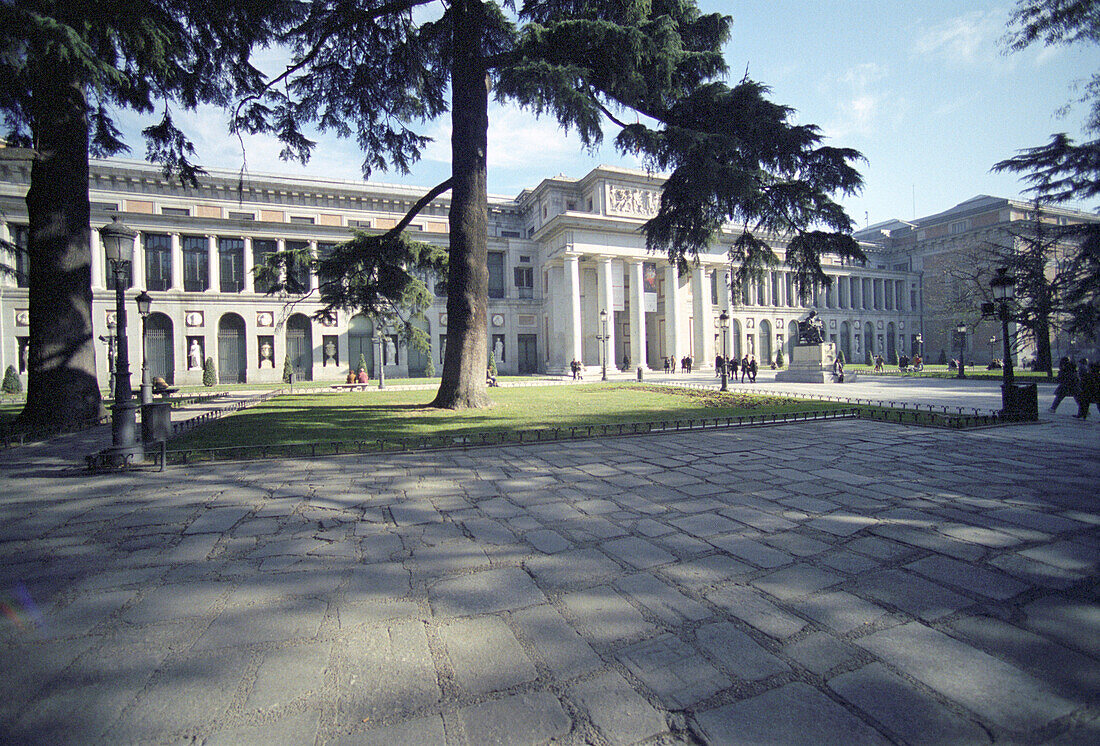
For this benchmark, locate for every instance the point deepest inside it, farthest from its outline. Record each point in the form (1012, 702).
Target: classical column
(249, 261)
(99, 261)
(213, 265)
(637, 314)
(314, 281)
(672, 315)
(574, 348)
(280, 247)
(700, 306)
(606, 302)
(137, 269)
(177, 261)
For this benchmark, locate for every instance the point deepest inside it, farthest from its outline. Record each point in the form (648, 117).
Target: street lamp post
(602, 337)
(723, 324)
(118, 246)
(960, 333)
(380, 338)
(1004, 290)
(144, 302)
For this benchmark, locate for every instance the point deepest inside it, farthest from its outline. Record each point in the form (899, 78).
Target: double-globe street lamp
(118, 247)
(960, 334)
(723, 324)
(602, 338)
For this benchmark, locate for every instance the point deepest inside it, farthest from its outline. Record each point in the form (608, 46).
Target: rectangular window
(158, 261)
(496, 274)
(525, 281)
(714, 288)
(196, 270)
(301, 220)
(20, 235)
(242, 216)
(179, 212)
(298, 271)
(231, 264)
(261, 248)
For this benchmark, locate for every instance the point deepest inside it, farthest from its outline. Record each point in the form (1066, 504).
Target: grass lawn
(304, 418)
(10, 409)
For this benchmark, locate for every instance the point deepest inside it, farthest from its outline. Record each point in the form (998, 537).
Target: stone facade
(559, 253)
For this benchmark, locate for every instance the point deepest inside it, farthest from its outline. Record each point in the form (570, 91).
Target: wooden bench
(350, 386)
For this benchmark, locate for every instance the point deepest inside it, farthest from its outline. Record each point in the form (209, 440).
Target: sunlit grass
(353, 416)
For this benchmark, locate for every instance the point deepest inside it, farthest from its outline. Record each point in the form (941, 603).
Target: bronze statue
(811, 330)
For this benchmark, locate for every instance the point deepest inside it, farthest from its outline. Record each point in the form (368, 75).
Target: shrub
(429, 369)
(779, 361)
(209, 373)
(840, 357)
(894, 359)
(12, 384)
(288, 370)
(868, 359)
(942, 360)
(362, 363)
(492, 364)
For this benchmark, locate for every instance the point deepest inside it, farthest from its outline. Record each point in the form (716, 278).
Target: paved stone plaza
(834, 582)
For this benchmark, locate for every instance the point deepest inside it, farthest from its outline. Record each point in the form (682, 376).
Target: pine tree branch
(421, 203)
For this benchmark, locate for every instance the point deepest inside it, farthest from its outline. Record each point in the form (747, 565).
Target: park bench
(350, 386)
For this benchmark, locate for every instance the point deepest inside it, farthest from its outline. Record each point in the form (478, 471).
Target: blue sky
(924, 90)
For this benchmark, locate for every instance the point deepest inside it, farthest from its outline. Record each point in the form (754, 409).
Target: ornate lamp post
(118, 246)
(1004, 290)
(723, 324)
(602, 337)
(144, 302)
(960, 334)
(381, 365)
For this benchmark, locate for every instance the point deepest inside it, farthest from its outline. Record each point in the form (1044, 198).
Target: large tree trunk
(463, 381)
(62, 391)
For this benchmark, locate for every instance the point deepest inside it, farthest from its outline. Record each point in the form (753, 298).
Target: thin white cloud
(860, 102)
(967, 39)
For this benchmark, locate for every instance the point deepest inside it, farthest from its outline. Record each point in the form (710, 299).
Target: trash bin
(156, 422)
(1020, 400)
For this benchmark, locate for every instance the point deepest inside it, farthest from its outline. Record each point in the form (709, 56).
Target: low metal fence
(488, 438)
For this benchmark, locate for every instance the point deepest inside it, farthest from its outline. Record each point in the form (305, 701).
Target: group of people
(906, 365)
(747, 366)
(1081, 380)
(577, 368)
(685, 364)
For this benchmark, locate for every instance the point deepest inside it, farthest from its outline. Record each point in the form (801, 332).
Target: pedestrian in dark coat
(1068, 381)
(752, 369)
(744, 368)
(733, 368)
(1089, 390)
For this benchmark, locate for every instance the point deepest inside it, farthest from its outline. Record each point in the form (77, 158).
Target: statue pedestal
(811, 364)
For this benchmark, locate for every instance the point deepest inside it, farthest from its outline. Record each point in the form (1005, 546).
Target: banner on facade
(649, 286)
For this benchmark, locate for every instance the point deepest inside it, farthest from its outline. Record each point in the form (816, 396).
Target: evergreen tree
(66, 66)
(209, 373)
(779, 359)
(288, 370)
(362, 363)
(840, 357)
(375, 69)
(12, 384)
(1062, 170)
(492, 363)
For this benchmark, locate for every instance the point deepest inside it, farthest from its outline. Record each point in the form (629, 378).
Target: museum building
(560, 253)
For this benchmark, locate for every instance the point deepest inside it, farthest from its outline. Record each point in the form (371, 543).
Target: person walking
(1089, 390)
(752, 369)
(1068, 381)
(733, 368)
(744, 368)
(719, 364)
(666, 364)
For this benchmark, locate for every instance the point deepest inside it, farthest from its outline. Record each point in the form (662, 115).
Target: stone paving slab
(871, 583)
